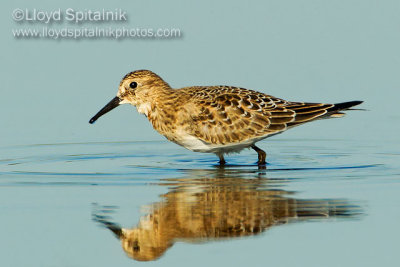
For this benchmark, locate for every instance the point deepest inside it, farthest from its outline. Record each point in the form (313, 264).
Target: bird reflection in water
(205, 209)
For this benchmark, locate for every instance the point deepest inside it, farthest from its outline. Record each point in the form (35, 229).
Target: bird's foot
(261, 163)
(261, 155)
(222, 163)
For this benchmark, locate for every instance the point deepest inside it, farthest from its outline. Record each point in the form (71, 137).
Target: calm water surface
(318, 203)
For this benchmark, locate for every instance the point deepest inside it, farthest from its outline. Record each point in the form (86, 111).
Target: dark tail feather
(304, 115)
(343, 106)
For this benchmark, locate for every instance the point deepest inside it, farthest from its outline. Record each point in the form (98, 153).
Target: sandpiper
(215, 119)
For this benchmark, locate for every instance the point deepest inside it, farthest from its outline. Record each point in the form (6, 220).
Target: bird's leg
(221, 160)
(261, 155)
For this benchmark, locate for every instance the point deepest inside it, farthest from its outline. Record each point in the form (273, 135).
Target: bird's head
(137, 88)
(144, 244)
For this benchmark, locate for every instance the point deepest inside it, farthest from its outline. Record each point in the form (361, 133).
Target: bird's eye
(136, 246)
(133, 85)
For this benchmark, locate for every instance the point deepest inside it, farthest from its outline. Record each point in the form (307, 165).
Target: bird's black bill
(110, 106)
(114, 228)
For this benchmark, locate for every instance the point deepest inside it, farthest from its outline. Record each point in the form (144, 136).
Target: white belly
(192, 143)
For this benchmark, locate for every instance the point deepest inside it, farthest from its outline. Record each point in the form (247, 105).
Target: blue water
(318, 202)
